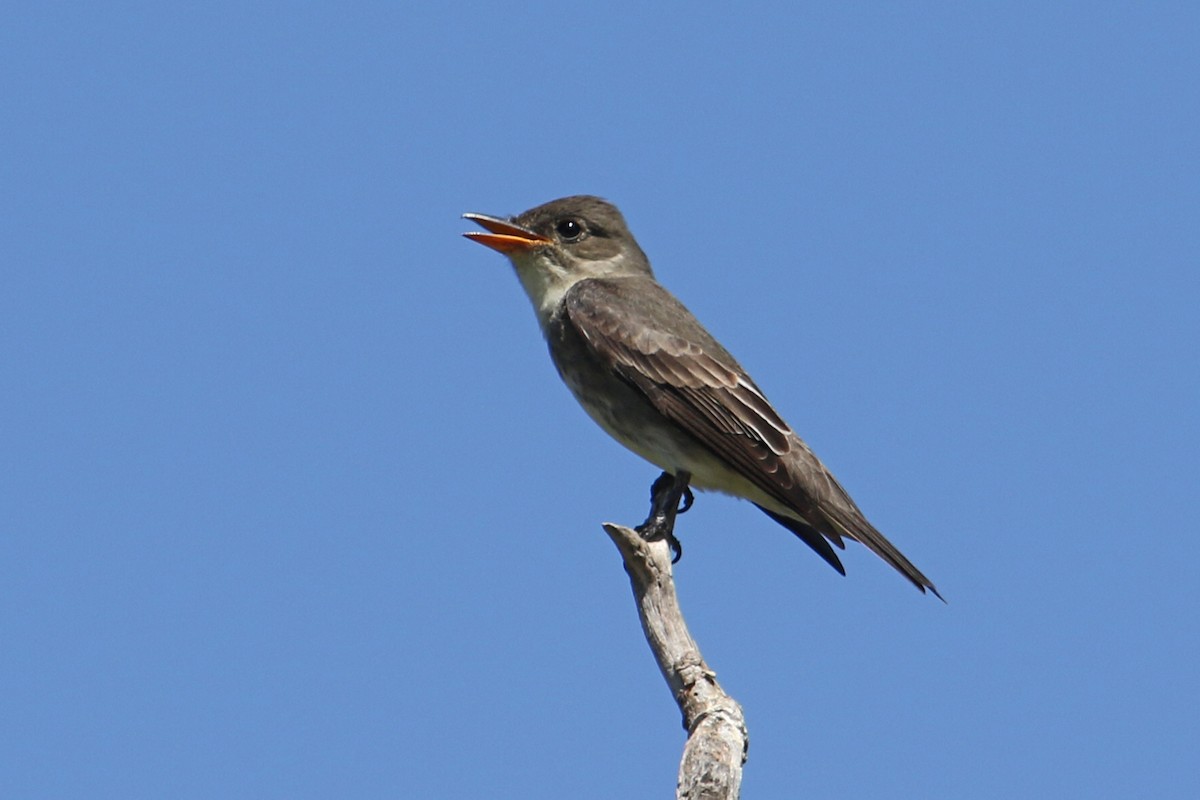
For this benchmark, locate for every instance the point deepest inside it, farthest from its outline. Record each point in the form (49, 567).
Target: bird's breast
(627, 415)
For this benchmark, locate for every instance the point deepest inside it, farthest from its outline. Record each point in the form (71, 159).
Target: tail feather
(852, 526)
(855, 526)
(811, 537)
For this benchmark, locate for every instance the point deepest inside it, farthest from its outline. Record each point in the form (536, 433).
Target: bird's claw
(669, 495)
(687, 500)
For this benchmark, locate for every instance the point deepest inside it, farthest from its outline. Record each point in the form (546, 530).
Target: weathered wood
(711, 768)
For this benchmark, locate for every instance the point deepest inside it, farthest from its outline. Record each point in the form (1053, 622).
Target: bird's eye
(569, 229)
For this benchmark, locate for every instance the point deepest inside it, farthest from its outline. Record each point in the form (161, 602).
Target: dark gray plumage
(648, 373)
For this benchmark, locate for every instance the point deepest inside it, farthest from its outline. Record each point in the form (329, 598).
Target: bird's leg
(666, 495)
(667, 481)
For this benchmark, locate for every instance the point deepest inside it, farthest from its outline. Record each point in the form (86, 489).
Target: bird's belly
(626, 415)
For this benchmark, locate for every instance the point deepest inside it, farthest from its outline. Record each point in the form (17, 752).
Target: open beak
(504, 236)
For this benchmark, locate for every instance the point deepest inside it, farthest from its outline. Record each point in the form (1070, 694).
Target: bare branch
(711, 768)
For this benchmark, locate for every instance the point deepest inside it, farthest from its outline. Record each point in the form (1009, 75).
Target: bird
(647, 372)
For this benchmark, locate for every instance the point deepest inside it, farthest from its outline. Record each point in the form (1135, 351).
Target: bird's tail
(853, 525)
(810, 536)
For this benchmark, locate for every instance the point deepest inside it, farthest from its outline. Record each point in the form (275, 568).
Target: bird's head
(555, 245)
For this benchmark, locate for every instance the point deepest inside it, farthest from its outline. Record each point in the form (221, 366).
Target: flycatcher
(651, 376)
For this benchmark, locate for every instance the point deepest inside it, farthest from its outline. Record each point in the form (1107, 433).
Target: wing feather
(698, 385)
(689, 378)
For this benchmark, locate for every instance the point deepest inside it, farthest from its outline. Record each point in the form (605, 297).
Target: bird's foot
(669, 496)
(668, 482)
(688, 500)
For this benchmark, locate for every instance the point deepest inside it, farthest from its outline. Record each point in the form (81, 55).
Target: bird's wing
(655, 344)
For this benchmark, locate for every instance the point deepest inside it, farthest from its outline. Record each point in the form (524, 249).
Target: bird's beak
(505, 237)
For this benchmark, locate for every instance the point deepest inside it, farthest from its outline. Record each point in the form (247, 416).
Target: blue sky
(293, 504)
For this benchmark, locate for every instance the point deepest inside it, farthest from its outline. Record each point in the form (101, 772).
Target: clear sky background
(294, 506)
